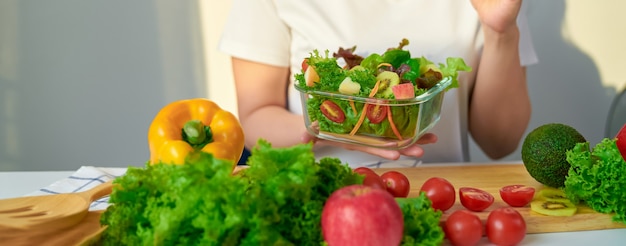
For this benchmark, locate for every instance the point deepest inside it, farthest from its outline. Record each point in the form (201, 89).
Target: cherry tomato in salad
(440, 191)
(305, 64)
(505, 226)
(396, 183)
(475, 199)
(376, 113)
(463, 228)
(332, 111)
(517, 195)
(371, 178)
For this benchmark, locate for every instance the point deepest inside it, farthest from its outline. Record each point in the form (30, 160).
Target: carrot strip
(360, 122)
(362, 117)
(393, 125)
(383, 64)
(375, 89)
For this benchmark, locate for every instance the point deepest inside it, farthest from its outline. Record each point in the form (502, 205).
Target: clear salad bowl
(373, 122)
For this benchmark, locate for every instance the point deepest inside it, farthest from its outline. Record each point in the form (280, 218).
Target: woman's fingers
(427, 138)
(413, 151)
(384, 153)
(307, 137)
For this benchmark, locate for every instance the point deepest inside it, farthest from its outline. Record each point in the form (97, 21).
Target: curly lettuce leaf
(421, 221)
(278, 200)
(328, 70)
(371, 61)
(365, 78)
(162, 204)
(597, 177)
(451, 69)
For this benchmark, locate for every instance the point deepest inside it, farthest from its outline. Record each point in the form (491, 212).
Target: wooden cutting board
(491, 177)
(85, 233)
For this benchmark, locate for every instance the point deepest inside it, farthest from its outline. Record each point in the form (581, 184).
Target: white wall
(599, 30)
(80, 81)
(221, 87)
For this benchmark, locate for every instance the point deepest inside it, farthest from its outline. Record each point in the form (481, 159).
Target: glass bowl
(387, 123)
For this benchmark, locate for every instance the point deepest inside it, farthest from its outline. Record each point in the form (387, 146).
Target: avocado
(544, 152)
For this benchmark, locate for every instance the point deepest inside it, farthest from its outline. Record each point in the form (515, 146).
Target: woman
(268, 40)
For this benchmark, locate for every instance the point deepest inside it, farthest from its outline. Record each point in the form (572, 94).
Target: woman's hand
(498, 15)
(414, 150)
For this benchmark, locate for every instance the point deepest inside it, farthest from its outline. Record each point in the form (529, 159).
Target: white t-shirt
(284, 32)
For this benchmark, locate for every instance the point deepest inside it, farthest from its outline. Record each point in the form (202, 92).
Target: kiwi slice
(553, 207)
(551, 194)
(387, 80)
(553, 202)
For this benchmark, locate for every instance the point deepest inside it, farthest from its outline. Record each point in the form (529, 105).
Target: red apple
(310, 76)
(403, 91)
(362, 215)
(620, 141)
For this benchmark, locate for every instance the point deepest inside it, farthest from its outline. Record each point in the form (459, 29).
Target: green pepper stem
(196, 133)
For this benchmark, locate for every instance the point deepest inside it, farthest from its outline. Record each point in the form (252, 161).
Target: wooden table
(585, 228)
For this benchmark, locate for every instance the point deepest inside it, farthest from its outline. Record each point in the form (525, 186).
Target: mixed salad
(391, 81)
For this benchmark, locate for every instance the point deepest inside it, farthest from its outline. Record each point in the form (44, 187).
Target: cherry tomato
(332, 111)
(463, 228)
(397, 183)
(517, 195)
(620, 141)
(371, 178)
(475, 199)
(440, 191)
(505, 226)
(305, 64)
(376, 113)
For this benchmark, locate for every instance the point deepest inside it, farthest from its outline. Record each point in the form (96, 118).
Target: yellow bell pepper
(184, 126)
